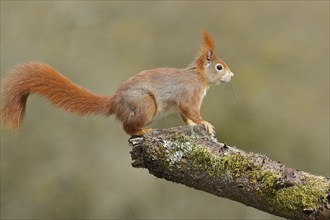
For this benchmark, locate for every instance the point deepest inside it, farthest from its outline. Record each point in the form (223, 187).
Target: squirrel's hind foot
(141, 132)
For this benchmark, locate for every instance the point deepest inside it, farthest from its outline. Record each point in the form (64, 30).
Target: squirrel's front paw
(209, 127)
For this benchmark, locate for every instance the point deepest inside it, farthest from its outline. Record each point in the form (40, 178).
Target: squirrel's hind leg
(140, 113)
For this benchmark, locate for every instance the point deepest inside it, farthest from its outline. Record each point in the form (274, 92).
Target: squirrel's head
(215, 70)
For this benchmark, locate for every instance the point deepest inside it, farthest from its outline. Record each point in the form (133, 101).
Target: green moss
(266, 183)
(301, 196)
(297, 197)
(235, 165)
(269, 181)
(202, 158)
(311, 194)
(179, 137)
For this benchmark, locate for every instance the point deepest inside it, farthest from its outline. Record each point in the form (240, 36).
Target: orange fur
(208, 40)
(44, 80)
(142, 98)
(207, 46)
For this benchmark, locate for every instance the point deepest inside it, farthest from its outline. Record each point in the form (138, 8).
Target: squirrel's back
(167, 87)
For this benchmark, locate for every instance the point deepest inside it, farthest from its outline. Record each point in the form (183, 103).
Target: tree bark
(188, 155)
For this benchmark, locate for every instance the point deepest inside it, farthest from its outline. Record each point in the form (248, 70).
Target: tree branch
(189, 156)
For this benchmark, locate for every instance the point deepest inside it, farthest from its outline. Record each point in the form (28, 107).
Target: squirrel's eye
(219, 67)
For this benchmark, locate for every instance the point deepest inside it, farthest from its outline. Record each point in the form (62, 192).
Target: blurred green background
(62, 166)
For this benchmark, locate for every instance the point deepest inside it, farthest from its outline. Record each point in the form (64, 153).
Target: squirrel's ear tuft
(207, 50)
(208, 41)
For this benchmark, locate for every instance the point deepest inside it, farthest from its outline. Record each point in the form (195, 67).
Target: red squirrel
(136, 103)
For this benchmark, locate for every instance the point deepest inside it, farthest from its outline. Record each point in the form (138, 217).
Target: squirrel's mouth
(227, 77)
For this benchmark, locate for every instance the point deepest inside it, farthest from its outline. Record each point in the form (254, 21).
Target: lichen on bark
(189, 156)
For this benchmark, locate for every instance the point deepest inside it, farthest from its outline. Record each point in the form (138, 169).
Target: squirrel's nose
(232, 74)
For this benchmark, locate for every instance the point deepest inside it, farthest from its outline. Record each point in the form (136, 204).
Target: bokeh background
(62, 166)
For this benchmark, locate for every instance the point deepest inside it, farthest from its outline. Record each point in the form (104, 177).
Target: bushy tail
(42, 79)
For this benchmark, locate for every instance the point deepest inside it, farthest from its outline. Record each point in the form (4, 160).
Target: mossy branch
(189, 156)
